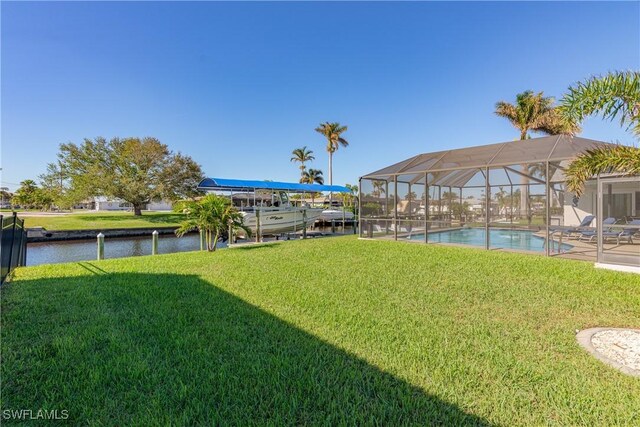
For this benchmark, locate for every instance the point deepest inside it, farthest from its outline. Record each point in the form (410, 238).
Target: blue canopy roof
(245, 185)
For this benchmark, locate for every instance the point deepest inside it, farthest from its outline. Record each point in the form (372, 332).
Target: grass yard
(104, 220)
(326, 331)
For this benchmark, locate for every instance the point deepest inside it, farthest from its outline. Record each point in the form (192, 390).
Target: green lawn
(104, 220)
(323, 331)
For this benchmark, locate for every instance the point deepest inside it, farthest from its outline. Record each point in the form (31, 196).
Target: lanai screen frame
(553, 164)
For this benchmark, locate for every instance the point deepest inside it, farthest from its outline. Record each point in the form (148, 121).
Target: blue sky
(237, 86)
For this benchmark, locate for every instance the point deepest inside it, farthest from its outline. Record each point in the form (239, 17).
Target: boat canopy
(249, 185)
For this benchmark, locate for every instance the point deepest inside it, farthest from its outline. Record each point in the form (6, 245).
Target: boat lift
(277, 202)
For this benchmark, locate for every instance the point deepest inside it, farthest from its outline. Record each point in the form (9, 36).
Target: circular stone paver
(617, 347)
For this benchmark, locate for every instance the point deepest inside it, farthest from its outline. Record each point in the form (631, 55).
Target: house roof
(457, 167)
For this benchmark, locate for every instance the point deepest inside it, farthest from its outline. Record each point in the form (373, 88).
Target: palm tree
(312, 176)
(302, 155)
(352, 196)
(618, 158)
(533, 112)
(612, 95)
(333, 132)
(213, 215)
(378, 188)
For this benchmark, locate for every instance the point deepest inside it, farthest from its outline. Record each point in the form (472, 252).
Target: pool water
(522, 240)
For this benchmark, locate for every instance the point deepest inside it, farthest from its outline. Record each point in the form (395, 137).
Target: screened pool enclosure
(507, 196)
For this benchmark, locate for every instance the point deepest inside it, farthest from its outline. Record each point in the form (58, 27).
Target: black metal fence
(13, 244)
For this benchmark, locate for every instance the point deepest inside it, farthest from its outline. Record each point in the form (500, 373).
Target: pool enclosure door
(619, 198)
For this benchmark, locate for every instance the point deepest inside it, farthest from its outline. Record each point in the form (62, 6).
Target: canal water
(114, 247)
(119, 247)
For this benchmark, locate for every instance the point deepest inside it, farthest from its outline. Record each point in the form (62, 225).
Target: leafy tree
(30, 196)
(56, 183)
(212, 214)
(459, 210)
(333, 133)
(5, 195)
(136, 170)
(616, 94)
(348, 199)
(302, 155)
(533, 112)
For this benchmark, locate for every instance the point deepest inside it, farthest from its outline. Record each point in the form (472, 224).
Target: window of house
(617, 205)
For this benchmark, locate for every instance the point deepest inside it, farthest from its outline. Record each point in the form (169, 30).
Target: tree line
(135, 170)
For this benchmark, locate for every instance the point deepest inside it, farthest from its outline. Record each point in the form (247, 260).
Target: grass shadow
(165, 349)
(91, 268)
(252, 246)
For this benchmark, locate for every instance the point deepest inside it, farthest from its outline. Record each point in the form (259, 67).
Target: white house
(105, 204)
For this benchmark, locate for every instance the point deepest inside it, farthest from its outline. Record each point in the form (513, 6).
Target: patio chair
(590, 235)
(626, 232)
(586, 221)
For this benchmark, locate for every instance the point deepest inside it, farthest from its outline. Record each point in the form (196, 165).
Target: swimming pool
(522, 240)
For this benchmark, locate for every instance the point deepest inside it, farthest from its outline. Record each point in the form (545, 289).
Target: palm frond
(616, 94)
(621, 159)
(508, 111)
(312, 176)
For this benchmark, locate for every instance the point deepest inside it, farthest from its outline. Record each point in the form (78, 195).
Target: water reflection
(85, 250)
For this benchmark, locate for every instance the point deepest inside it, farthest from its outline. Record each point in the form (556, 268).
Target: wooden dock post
(154, 242)
(100, 246)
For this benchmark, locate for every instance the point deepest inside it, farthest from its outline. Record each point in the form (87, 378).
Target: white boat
(281, 220)
(269, 200)
(329, 215)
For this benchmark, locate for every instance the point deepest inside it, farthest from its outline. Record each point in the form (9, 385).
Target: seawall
(40, 234)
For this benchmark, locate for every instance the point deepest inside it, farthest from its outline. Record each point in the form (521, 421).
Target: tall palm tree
(302, 155)
(533, 112)
(213, 215)
(612, 95)
(312, 176)
(333, 133)
(619, 158)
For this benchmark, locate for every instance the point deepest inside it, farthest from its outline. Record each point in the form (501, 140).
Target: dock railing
(13, 244)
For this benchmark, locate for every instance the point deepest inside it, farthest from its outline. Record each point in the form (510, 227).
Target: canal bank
(81, 245)
(40, 234)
